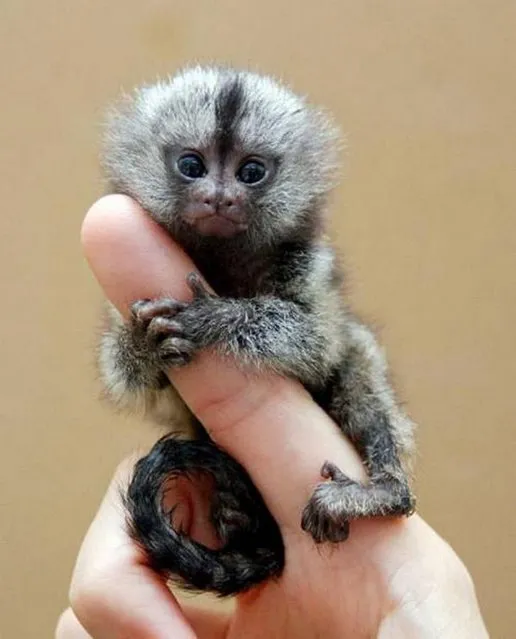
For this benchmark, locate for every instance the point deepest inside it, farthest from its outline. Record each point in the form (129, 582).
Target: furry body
(237, 168)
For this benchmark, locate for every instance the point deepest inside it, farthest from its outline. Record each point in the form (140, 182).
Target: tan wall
(426, 91)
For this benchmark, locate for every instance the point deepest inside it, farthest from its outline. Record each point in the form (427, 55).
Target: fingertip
(105, 219)
(130, 255)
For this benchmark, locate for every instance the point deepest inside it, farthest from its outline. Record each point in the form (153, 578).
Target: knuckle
(89, 593)
(229, 407)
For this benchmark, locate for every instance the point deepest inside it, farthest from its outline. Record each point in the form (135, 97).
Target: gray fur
(280, 306)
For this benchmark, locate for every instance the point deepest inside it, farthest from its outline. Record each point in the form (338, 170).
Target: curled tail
(252, 547)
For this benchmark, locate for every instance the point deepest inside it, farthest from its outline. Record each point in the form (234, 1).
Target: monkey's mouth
(216, 224)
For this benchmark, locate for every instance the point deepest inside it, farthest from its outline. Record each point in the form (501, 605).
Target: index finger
(270, 424)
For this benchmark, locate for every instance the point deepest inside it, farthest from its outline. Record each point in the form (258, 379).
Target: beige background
(426, 217)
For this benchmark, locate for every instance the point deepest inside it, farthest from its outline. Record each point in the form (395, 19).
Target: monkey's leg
(251, 547)
(132, 363)
(133, 357)
(363, 405)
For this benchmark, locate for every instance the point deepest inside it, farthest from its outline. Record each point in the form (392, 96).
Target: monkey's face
(223, 154)
(216, 193)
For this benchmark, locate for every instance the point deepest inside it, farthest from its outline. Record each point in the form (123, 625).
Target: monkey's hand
(263, 332)
(157, 332)
(340, 499)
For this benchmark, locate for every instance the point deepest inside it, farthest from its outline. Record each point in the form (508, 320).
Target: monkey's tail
(252, 548)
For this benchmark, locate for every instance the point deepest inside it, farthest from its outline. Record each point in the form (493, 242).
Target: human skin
(392, 578)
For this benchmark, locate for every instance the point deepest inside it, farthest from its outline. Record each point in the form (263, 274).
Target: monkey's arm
(363, 405)
(264, 332)
(133, 376)
(294, 324)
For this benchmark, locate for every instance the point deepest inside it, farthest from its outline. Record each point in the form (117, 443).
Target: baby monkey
(238, 170)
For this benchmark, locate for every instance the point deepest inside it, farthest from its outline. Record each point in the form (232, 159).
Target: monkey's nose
(209, 205)
(226, 203)
(232, 208)
(223, 203)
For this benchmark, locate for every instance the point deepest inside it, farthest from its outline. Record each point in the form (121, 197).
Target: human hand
(392, 578)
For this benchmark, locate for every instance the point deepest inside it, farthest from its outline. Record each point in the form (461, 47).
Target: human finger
(270, 424)
(114, 593)
(68, 627)
(207, 624)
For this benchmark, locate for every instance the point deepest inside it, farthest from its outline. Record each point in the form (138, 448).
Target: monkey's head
(225, 154)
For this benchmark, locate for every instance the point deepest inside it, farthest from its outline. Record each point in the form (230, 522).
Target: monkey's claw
(156, 329)
(197, 286)
(333, 472)
(168, 338)
(145, 310)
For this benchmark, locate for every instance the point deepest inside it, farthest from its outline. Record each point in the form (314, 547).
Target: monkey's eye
(191, 166)
(251, 172)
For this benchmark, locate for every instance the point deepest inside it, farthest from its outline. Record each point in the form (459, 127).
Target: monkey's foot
(335, 502)
(229, 518)
(155, 330)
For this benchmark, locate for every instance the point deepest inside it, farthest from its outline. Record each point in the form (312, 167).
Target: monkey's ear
(115, 128)
(121, 108)
(132, 158)
(128, 122)
(328, 139)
